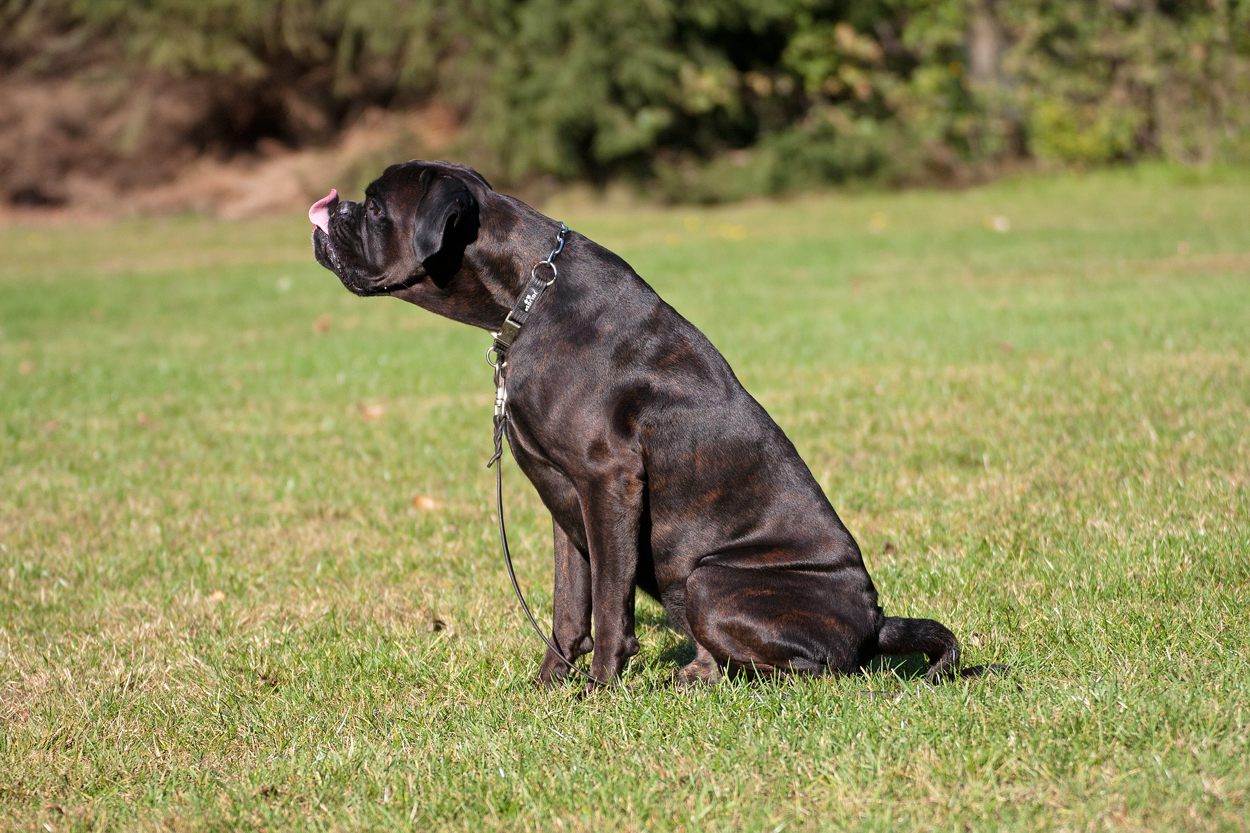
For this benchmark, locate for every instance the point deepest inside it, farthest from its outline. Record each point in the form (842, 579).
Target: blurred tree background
(697, 100)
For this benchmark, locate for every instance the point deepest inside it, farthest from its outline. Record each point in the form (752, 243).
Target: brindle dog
(659, 469)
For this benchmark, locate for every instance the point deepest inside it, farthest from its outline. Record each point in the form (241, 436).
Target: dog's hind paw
(703, 671)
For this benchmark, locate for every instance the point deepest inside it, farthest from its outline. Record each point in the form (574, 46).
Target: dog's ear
(446, 222)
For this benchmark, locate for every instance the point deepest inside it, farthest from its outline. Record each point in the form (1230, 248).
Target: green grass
(219, 607)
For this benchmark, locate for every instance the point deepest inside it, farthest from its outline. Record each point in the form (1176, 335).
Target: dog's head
(414, 225)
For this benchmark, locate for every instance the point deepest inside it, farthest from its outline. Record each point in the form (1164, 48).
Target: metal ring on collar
(554, 272)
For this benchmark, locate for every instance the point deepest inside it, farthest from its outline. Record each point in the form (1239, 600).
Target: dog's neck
(496, 267)
(506, 261)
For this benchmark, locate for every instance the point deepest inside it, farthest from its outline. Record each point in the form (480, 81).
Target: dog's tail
(899, 636)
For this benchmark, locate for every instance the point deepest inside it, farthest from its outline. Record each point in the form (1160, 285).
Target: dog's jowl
(660, 471)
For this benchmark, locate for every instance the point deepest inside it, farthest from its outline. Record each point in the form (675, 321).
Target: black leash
(503, 340)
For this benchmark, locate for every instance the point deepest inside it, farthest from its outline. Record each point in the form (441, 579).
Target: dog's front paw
(552, 673)
(554, 670)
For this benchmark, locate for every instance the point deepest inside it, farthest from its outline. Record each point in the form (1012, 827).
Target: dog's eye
(375, 208)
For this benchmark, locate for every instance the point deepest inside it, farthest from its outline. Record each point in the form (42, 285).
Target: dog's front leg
(570, 625)
(612, 510)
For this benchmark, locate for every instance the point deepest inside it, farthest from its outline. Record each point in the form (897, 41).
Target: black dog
(659, 469)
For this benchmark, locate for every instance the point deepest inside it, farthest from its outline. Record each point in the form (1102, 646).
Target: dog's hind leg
(763, 621)
(570, 629)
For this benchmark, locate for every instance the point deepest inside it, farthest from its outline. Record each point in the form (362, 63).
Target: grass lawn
(220, 606)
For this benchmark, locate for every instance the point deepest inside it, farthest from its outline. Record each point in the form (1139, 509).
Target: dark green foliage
(712, 99)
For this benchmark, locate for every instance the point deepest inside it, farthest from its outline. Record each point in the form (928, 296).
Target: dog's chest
(555, 489)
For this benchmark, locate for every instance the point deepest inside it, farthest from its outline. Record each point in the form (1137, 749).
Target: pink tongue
(320, 211)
